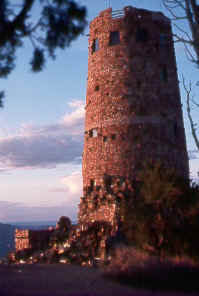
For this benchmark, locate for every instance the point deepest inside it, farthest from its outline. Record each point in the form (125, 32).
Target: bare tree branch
(184, 32)
(191, 45)
(172, 4)
(189, 55)
(195, 103)
(192, 124)
(195, 11)
(20, 18)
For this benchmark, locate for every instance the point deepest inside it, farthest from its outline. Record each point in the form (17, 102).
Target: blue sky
(41, 127)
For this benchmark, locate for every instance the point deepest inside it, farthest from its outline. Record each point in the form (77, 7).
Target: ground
(63, 280)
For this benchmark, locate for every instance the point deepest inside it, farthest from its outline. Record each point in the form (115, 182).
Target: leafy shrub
(162, 216)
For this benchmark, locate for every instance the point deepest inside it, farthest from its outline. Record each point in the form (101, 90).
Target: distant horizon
(39, 223)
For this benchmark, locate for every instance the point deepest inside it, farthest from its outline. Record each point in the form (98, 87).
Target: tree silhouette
(59, 23)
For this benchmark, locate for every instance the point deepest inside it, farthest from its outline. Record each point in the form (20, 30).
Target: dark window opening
(107, 180)
(95, 45)
(97, 88)
(91, 184)
(163, 40)
(142, 35)
(93, 133)
(157, 46)
(113, 137)
(164, 74)
(98, 188)
(114, 38)
(105, 139)
(139, 83)
(175, 127)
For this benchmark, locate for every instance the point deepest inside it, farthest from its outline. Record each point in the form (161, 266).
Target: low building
(31, 239)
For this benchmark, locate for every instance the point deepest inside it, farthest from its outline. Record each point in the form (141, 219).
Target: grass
(139, 270)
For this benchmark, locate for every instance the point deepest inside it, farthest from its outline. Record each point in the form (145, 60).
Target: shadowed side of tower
(133, 108)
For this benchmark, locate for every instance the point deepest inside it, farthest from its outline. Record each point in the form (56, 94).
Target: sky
(42, 124)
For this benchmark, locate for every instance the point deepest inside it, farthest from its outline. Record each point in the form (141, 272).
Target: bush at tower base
(162, 217)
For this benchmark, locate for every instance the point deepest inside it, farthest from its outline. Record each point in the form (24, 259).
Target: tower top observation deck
(139, 13)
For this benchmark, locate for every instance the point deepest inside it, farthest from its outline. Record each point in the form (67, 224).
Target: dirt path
(62, 280)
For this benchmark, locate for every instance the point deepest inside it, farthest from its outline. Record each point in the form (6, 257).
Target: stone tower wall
(133, 107)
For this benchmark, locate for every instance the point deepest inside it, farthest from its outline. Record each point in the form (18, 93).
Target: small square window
(114, 38)
(107, 180)
(97, 88)
(95, 45)
(142, 35)
(113, 137)
(93, 133)
(105, 139)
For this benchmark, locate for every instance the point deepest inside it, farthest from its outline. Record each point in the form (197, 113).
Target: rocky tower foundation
(133, 107)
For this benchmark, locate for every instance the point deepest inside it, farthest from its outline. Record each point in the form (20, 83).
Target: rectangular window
(141, 35)
(163, 40)
(175, 129)
(94, 133)
(90, 133)
(164, 74)
(113, 137)
(107, 180)
(91, 184)
(138, 83)
(114, 38)
(95, 45)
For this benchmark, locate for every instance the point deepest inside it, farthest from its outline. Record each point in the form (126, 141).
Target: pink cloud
(73, 183)
(45, 146)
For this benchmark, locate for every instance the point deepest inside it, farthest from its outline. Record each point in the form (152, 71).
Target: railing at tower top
(117, 13)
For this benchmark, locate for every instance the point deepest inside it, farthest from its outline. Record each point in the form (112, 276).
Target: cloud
(71, 186)
(73, 183)
(62, 200)
(45, 146)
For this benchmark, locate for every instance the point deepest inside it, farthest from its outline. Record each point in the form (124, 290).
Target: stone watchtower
(133, 107)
